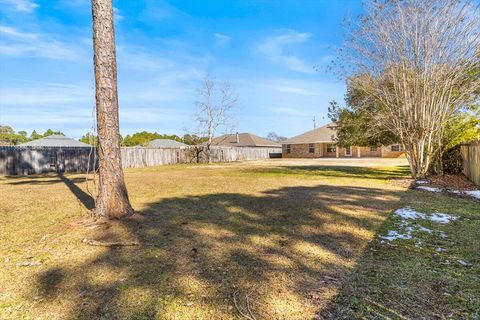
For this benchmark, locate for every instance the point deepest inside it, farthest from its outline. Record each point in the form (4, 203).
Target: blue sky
(265, 48)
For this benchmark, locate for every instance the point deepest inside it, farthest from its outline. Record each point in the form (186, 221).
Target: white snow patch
(421, 182)
(407, 228)
(442, 218)
(407, 234)
(393, 235)
(431, 189)
(474, 193)
(423, 229)
(463, 263)
(409, 213)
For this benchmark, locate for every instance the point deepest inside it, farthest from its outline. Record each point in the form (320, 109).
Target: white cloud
(292, 89)
(21, 5)
(14, 33)
(137, 59)
(222, 39)
(16, 44)
(117, 15)
(274, 49)
(49, 95)
(156, 11)
(50, 50)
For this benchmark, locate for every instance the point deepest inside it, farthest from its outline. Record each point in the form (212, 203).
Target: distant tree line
(144, 137)
(9, 137)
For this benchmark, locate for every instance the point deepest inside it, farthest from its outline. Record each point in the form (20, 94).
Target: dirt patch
(450, 181)
(402, 182)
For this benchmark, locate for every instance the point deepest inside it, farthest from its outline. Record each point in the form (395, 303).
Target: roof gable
(327, 134)
(165, 143)
(55, 140)
(244, 140)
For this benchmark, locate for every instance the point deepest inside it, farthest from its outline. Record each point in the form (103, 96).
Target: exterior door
(348, 151)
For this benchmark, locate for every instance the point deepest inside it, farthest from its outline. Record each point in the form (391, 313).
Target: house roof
(55, 140)
(244, 140)
(326, 134)
(165, 143)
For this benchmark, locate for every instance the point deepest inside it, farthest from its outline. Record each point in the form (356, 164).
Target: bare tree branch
(216, 102)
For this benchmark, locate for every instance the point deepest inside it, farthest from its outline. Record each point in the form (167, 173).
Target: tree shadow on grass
(86, 199)
(37, 180)
(417, 278)
(42, 180)
(282, 254)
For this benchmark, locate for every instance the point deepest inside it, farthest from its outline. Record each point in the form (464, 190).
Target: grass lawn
(273, 240)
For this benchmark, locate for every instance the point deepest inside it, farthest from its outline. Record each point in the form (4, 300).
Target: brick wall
(302, 151)
(366, 152)
(388, 153)
(327, 154)
(353, 153)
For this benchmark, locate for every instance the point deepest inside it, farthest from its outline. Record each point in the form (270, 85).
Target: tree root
(247, 314)
(110, 244)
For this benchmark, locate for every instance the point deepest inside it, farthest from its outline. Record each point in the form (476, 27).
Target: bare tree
(272, 136)
(217, 99)
(112, 200)
(418, 61)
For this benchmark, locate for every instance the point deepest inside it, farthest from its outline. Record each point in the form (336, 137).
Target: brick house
(321, 143)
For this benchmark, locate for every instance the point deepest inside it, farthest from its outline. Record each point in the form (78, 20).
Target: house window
(311, 148)
(373, 148)
(331, 148)
(348, 151)
(287, 148)
(396, 148)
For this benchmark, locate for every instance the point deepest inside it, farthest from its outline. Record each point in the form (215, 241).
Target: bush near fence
(16, 160)
(471, 161)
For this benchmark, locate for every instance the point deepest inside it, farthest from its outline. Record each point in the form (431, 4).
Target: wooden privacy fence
(471, 161)
(30, 160)
(15, 160)
(148, 157)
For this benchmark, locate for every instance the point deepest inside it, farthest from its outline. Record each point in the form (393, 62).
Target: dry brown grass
(283, 236)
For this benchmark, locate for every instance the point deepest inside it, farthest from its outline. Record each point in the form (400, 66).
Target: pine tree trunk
(112, 200)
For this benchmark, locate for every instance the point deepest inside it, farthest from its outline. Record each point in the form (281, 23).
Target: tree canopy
(411, 67)
(8, 136)
(144, 137)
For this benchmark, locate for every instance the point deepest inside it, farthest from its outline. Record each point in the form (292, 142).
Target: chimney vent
(238, 138)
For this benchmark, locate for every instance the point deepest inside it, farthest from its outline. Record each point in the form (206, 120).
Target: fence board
(16, 160)
(471, 161)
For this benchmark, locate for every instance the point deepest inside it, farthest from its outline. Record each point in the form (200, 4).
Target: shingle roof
(327, 134)
(55, 140)
(244, 140)
(165, 143)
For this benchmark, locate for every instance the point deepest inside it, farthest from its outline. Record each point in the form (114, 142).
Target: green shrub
(452, 161)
